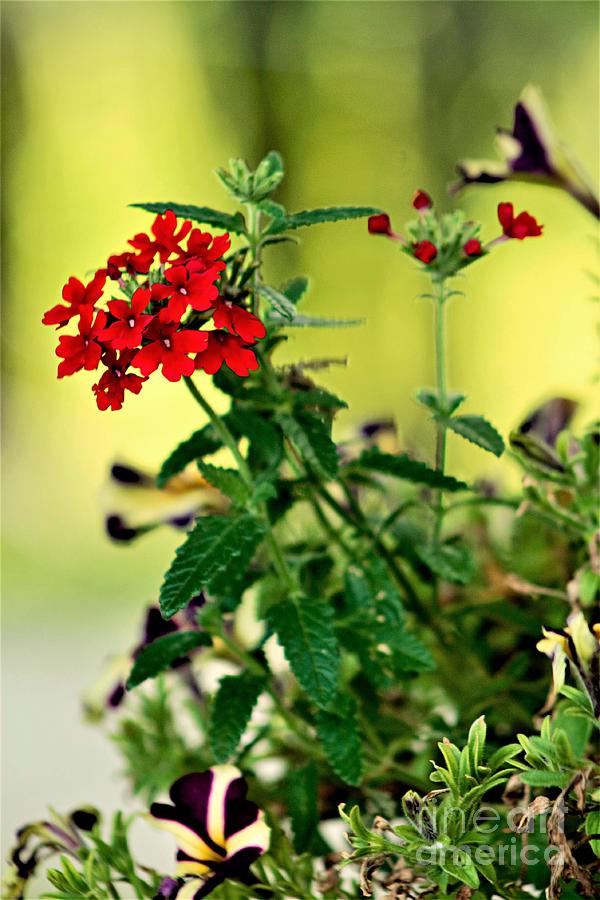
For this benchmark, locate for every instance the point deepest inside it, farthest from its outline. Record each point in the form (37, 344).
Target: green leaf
(268, 175)
(538, 455)
(295, 289)
(592, 827)
(203, 214)
(409, 653)
(313, 322)
(537, 778)
(228, 481)
(320, 216)
(301, 791)
(318, 398)
(478, 431)
(305, 631)
(201, 443)
(231, 712)
(503, 755)
(463, 870)
(266, 439)
(338, 732)
(403, 466)
(281, 304)
(214, 555)
(311, 437)
(431, 400)
(163, 651)
(453, 562)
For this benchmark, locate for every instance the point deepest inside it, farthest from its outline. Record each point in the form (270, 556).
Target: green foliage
(304, 629)
(303, 807)
(403, 466)
(202, 214)
(162, 652)
(320, 216)
(339, 733)
(215, 553)
(225, 480)
(201, 443)
(311, 436)
(451, 561)
(478, 431)
(232, 708)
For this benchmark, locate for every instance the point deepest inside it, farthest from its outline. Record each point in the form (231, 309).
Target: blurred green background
(111, 103)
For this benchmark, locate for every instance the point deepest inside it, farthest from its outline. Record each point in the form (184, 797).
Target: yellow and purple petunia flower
(532, 152)
(579, 644)
(219, 832)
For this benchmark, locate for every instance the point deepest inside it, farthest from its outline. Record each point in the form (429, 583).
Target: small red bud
(472, 247)
(380, 224)
(425, 251)
(422, 200)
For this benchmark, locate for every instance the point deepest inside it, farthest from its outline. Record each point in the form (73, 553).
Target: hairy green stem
(440, 370)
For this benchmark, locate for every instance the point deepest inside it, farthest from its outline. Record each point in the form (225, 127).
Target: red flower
(228, 349)
(472, 247)
(421, 200)
(166, 238)
(238, 321)
(201, 245)
(82, 351)
(130, 263)
(127, 331)
(520, 226)
(77, 297)
(425, 251)
(184, 288)
(380, 224)
(169, 348)
(110, 389)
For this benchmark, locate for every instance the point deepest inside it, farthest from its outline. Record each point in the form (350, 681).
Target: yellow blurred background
(110, 103)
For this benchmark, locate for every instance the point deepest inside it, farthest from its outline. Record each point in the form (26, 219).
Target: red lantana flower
(519, 227)
(425, 251)
(77, 297)
(127, 332)
(82, 351)
(110, 389)
(185, 288)
(238, 321)
(166, 240)
(422, 200)
(169, 348)
(229, 349)
(472, 247)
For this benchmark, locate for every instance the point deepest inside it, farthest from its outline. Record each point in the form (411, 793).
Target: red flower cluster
(161, 324)
(520, 226)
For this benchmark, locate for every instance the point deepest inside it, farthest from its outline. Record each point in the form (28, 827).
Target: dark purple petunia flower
(219, 832)
(532, 152)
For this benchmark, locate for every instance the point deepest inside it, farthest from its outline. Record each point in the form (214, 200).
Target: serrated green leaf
(339, 735)
(478, 431)
(281, 304)
(214, 555)
(305, 631)
(231, 711)
(162, 652)
(408, 469)
(430, 399)
(300, 321)
(200, 443)
(266, 439)
(301, 791)
(296, 288)
(320, 216)
(452, 562)
(228, 481)
(592, 827)
(318, 399)
(537, 778)
(409, 653)
(203, 214)
(311, 437)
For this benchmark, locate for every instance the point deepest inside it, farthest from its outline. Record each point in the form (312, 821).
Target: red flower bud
(422, 200)
(425, 251)
(520, 226)
(472, 247)
(380, 224)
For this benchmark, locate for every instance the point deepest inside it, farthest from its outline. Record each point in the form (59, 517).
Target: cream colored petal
(215, 815)
(585, 642)
(188, 867)
(258, 834)
(187, 840)
(188, 890)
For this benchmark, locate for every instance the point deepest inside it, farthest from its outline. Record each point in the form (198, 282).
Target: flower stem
(442, 397)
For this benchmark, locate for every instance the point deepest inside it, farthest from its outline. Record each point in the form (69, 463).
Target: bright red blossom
(203, 247)
(166, 240)
(422, 200)
(229, 349)
(129, 263)
(168, 348)
(238, 321)
(425, 251)
(380, 224)
(127, 332)
(519, 227)
(472, 247)
(77, 296)
(82, 351)
(110, 389)
(186, 289)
